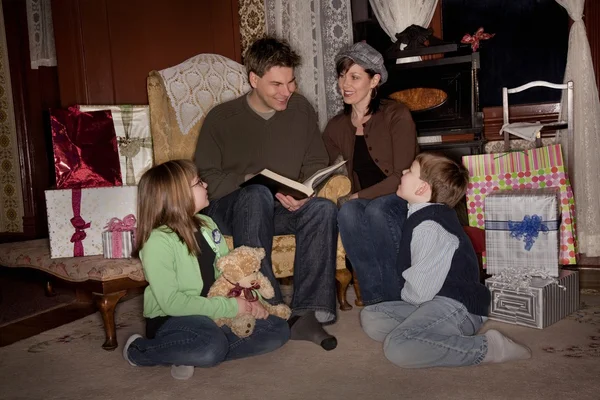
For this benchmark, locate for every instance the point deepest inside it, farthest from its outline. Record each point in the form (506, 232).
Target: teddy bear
(240, 276)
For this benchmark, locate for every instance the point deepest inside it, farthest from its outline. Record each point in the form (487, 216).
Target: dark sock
(307, 327)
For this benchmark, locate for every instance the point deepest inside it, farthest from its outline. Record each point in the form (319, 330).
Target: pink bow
(117, 225)
(78, 223)
(474, 40)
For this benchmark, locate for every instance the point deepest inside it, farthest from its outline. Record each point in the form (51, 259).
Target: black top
(462, 282)
(206, 260)
(367, 171)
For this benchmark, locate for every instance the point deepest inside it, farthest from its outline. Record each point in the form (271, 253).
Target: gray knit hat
(365, 56)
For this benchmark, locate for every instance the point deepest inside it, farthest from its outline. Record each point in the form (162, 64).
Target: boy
(443, 304)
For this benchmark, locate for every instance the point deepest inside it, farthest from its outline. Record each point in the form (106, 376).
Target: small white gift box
(539, 305)
(118, 239)
(132, 126)
(77, 217)
(522, 231)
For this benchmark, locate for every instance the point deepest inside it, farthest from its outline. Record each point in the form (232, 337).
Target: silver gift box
(540, 305)
(506, 215)
(127, 241)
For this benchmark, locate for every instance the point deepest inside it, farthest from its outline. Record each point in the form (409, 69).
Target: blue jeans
(371, 232)
(197, 341)
(252, 216)
(438, 333)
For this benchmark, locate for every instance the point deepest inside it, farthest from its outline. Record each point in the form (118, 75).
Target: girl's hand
(244, 307)
(258, 310)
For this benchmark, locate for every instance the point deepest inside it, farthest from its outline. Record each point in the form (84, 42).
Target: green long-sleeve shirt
(174, 277)
(235, 141)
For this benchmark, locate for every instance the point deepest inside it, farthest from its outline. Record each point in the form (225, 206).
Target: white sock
(126, 347)
(182, 372)
(502, 349)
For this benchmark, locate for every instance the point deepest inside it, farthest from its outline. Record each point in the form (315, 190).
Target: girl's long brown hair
(165, 197)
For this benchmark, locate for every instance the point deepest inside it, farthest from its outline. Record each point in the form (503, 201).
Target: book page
(315, 179)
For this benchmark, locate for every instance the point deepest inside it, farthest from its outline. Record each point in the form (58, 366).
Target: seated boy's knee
(402, 352)
(369, 323)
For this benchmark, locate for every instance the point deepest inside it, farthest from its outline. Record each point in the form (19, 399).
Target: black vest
(462, 282)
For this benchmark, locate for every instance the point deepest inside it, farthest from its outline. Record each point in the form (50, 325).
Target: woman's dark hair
(342, 66)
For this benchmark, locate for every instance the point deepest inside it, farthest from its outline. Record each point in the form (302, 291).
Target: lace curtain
(317, 30)
(581, 151)
(41, 34)
(394, 16)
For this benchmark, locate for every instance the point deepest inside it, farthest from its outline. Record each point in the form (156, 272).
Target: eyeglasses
(200, 182)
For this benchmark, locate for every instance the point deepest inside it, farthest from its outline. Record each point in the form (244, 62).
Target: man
(273, 127)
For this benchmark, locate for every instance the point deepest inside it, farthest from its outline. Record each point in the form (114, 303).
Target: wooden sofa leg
(106, 304)
(343, 278)
(49, 289)
(358, 300)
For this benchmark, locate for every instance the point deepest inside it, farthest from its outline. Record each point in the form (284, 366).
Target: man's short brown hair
(448, 179)
(269, 52)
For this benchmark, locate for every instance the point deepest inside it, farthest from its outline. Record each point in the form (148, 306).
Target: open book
(280, 184)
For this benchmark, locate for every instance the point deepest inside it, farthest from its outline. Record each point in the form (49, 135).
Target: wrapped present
(521, 231)
(77, 217)
(527, 169)
(85, 149)
(119, 238)
(536, 303)
(132, 127)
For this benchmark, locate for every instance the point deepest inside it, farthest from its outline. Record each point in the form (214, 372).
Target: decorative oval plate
(420, 99)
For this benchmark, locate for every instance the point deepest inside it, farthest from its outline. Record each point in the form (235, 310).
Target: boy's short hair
(269, 52)
(448, 179)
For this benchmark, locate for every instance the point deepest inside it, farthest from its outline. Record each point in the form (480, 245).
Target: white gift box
(71, 236)
(522, 231)
(540, 305)
(132, 126)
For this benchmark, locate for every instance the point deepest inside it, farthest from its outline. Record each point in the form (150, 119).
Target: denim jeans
(438, 333)
(253, 216)
(371, 231)
(197, 341)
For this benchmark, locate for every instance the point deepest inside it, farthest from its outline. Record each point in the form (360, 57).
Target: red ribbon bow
(474, 40)
(249, 295)
(78, 223)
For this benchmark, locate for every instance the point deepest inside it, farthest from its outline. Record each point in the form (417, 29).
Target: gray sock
(306, 327)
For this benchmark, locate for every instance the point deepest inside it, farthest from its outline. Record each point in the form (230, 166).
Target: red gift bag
(85, 149)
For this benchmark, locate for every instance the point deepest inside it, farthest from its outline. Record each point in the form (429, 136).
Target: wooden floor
(45, 321)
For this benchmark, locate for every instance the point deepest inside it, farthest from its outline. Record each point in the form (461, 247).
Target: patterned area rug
(68, 363)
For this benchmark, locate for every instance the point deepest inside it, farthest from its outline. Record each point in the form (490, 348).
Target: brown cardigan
(391, 139)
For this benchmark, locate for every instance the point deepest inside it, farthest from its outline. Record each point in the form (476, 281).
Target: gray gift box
(540, 305)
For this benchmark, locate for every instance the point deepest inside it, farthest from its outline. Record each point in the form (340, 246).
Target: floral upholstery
(199, 84)
(36, 254)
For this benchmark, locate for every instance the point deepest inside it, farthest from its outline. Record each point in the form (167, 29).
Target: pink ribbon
(116, 226)
(78, 223)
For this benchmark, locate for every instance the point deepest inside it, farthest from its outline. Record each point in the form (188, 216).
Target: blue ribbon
(528, 229)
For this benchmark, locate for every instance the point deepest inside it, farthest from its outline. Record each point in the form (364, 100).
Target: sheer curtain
(41, 34)
(394, 16)
(317, 30)
(581, 150)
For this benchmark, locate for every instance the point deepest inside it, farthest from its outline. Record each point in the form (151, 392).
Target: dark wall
(106, 48)
(531, 43)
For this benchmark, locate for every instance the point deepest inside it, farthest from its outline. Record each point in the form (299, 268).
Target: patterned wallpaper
(252, 22)
(11, 194)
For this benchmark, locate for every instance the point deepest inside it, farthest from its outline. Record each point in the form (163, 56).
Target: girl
(379, 140)
(178, 248)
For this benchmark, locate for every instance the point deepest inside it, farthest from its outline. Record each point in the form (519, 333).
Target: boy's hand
(258, 310)
(289, 202)
(244, 307)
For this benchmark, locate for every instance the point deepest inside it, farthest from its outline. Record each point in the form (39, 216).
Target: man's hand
(290, 203)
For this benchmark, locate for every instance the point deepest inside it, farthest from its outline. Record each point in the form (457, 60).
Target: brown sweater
(235, 141)
(391, 139)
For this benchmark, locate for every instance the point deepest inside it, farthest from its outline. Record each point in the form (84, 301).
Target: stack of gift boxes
(100, 153)
(524, 202)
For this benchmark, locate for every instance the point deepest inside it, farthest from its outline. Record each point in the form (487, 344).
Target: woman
(178, 248)
(378, 138)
